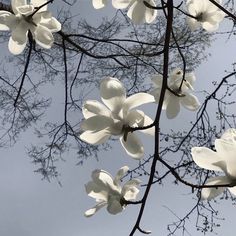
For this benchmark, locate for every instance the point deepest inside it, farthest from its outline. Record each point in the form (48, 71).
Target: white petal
(25, 10)
(227, 149)
(130, 190)
(113, 93)
(137, 12)
(103, 179)
(133, 146)
(4, 20)
(17, 3)
(230, 135)
(95, 138)
(96, 191)
(45, 19)
(93, 107)
(150, 14)
(136, 100)
(173, 107)
(209, 26)
(14, 47)
(121, 172)
(206, 158)
(210, 193)
(93, 210)
(43, 37)
(20, 32)
(97, 4)
(148, 121)
(121, 4)
(190, 102)
(96, 123)
(137, 118)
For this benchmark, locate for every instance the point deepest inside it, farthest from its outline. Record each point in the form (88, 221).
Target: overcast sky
(32, 207)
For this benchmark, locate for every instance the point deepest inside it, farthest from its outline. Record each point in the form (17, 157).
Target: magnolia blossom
(177, 95)
(97, 4)
(115, 117)
(108, 191)
(223, 160)
(205, 14)
(137, 12)
(28, 17)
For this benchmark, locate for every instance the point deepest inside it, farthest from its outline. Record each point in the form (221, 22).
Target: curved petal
(114, 206)
(45, 19)
(130, 190)
(121, 4)
(133, 146)
(95, 138)
(20, 32)
(137, 118)
(206, 158)
(14, 47)
(96, 123)
(93, 107)
(150, 14)
(4, 20)
(25, 10)
(93, 210)
(173, 107)
(98, 4)
(227, 149)
(121, 172)
(104, 180)
(136, 100)
(229, 135)
(96, 191)
(137, 12)
(43, 36)
(209, 26)
(17, 3)
(210, 193)
(190, 102)
(113, 93)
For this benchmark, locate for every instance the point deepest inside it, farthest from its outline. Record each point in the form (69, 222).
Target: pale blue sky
(32, 207)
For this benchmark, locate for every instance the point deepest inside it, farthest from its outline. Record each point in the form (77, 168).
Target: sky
(31, 206)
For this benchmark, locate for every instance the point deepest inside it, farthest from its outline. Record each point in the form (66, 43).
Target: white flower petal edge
(26, 18)
(102, 121)
(206, 15)
(137, 12)
(108, 192)
(172, 101)
(98, 4)
(223, 160)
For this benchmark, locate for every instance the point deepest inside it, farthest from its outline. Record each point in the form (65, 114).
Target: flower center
(201, 17)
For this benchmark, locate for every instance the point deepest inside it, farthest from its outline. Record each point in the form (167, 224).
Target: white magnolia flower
(173, 99)
(103, 121)
(223, 160)
(97, 4)
(206, 15)
(26, 17)
(108, 191)
(137, 12)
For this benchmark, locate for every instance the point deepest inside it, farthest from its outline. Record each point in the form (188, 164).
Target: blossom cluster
(117, 114)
